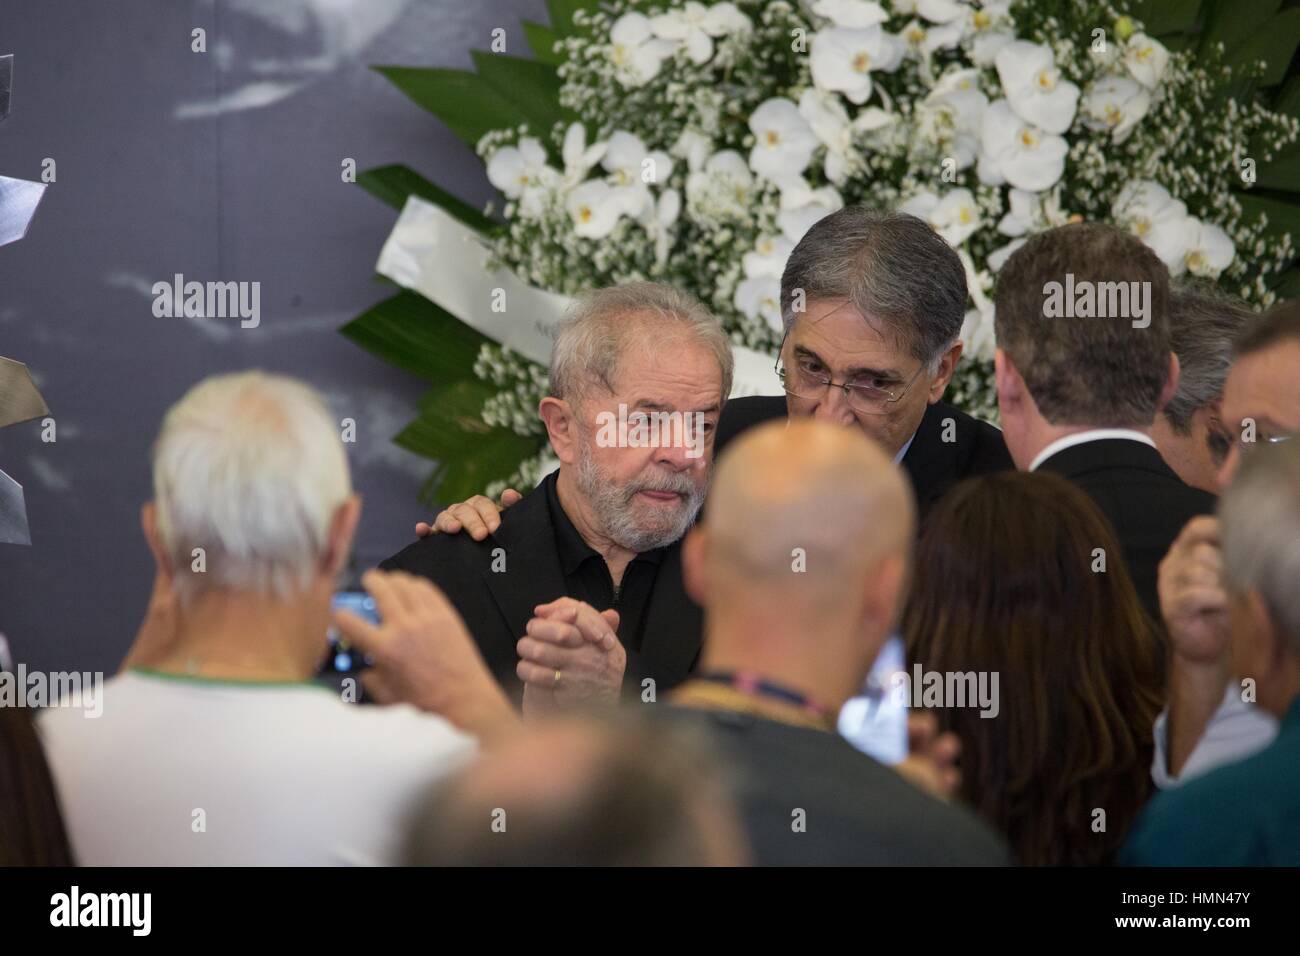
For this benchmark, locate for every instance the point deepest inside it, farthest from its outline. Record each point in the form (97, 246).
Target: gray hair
(1203, 323)
(250, 469)
(592, 339)
(893, 268)
(1260, 515)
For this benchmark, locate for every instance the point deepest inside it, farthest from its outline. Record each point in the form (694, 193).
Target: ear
(947, 365)
(149, 525)
(561, 426)
(1006, 377)
(1171, 383)
(695, 553)
(343, 527)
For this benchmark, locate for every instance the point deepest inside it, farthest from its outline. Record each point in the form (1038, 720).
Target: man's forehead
(684, 375)
(839, 334)
(1266, 385)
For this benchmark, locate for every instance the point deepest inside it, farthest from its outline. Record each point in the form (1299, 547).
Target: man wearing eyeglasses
(1212, 718)
(872, 305)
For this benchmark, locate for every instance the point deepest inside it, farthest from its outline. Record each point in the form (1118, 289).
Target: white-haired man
(639, 374)
(221, 751)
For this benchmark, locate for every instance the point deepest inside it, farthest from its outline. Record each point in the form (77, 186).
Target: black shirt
(587, 577)
(536, 556)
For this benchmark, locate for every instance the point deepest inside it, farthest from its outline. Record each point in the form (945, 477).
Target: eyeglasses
(806, 379)
(1245, 445)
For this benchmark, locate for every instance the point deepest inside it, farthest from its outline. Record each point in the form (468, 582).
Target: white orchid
(999, 256)
(990, 29)
(1115, 103)
(954, 216)
(830, 122)
(637, 54)
(978, 338)
(977, 331)
(694, 147)
(1147, 210)
(802, 207)
(783, 140)
(631, 166)
(768, 257)
(522, 173)
(579, 158)
(854, 14)
(1146, 59)
(629, 162)
(942, 11)
(1210, 251)
(952, 116)
(923, 39)
(1019, 153)
(722, 188)
(760, 298)
(658, 218)
(842, 60)
(1034, 88)
(1022, 216)
(595, 208)
(695, 26)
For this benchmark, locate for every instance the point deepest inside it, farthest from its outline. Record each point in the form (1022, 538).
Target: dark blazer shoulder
(742, 413)
(949, 446)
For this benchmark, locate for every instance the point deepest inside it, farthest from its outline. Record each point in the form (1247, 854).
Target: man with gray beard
(639, 374)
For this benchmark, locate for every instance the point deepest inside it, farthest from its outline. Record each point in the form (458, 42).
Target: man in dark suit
(604, 529)
(933, 462)
(872, 305)
(788, 642)
(1083, 366)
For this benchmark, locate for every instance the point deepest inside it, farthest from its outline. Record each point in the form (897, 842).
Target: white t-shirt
(181, 771)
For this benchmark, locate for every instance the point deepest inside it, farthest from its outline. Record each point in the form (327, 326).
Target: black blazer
(1145, 501)
(497, 606)
(934, 465)
(857, 811)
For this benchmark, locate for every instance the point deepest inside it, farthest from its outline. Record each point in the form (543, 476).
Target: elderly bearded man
(605, 528)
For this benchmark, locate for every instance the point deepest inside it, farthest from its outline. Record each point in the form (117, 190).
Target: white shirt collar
(1093, 434)
(898, 459)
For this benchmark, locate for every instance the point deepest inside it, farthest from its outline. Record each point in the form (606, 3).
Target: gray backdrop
(220, 166)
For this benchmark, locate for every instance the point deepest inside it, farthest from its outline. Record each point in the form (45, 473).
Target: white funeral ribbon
(431, 252)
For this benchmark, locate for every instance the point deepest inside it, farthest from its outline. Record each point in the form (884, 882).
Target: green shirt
(1244, 814)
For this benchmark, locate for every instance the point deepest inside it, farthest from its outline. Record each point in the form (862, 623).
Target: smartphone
(876, 720)
(342, 658)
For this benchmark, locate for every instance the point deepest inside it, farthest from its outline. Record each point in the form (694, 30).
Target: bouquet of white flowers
(696, 143)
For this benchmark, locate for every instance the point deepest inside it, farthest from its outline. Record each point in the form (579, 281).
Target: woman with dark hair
(1021, 575)
(31, 828)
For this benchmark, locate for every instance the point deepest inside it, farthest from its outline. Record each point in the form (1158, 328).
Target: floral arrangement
(696, 143)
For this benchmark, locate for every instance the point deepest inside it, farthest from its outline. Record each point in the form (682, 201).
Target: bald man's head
(808, 523)
(805, 494)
